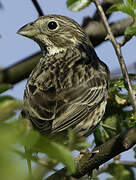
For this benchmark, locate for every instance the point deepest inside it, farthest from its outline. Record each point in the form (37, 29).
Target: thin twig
(126, 38)
(126, 163)
(105, 5)
(117, 48)
(105, 167)
(97, 32)
(101, 170)
(38, 8)
(20, 70)
(108, 127)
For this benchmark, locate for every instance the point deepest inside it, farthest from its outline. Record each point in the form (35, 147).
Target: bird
(68, 88)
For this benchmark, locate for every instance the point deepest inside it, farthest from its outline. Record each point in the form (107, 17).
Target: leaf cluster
(129, 8)
(118, 116)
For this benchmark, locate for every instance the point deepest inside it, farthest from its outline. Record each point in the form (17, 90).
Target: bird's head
(55, 32)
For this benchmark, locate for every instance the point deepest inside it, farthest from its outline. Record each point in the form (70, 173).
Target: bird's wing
(79, 103)
(58, 110)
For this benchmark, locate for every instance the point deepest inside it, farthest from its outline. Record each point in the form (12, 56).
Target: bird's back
(67, 90)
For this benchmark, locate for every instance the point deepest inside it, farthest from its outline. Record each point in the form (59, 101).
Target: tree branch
(97, 32)
(20, 70)
(88, 161)
(117, 49)
(38, 8)
(105, 5)
(105, 167)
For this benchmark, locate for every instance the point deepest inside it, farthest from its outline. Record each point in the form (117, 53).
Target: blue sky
(14, 47)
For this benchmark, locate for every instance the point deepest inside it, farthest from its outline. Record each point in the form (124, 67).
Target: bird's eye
(52, 25)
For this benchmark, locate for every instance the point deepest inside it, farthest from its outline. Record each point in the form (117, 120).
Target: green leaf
(56, 151)
(98, 136)
(113, 8)
(120, 172)
(125, 8)
(132, 120)
(8, 159)
(77, 5)
(116, 85)
(30, 139)
(5, 98)
(131, 3)
(7, 136)
(7, 108)
(120, 100)
(76, 142)
(130, 31)
(5, 87)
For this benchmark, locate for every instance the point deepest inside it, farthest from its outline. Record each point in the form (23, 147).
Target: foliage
(77, 5)
(128, 8)
(14, 136)
(120, 172)
(118, 116)
(45, 153)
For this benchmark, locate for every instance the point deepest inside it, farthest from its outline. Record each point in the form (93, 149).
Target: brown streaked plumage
(68, 87)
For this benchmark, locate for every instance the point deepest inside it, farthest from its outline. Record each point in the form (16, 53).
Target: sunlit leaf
(56, 151)
(77, 5)
(117, 85)
(132, 120)
(132, 3)
(120, 100)
(113, 8)
(125, 8)
(30, 139)
(76, 142)
(8, 107)
(8, 160)
(130, 31)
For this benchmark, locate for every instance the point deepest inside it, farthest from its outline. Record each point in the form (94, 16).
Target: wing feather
(80, 109)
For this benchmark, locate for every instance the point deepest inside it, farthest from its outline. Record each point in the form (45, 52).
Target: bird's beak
(29, 30)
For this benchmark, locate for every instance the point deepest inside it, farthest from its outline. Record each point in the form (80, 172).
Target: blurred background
(15, 14)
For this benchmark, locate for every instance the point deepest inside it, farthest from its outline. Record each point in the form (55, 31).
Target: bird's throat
(54, 50)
